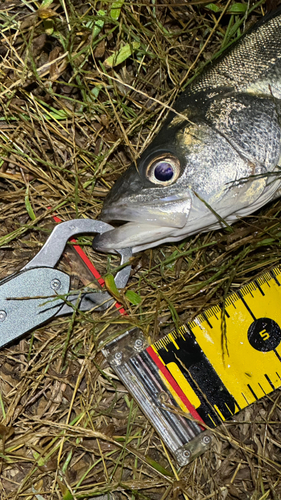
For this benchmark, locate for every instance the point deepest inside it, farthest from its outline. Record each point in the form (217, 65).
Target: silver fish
(217, 157)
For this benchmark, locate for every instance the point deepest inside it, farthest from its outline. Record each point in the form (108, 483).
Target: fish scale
(218, 153)
(255, 59)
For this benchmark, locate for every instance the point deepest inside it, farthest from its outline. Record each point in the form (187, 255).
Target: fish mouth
(144, 226)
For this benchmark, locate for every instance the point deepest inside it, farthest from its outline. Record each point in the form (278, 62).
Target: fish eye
(163, 170)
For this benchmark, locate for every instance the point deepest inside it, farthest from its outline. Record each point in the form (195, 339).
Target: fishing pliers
(39, 292)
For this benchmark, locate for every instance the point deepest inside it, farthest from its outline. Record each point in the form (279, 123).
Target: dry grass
(71, 121)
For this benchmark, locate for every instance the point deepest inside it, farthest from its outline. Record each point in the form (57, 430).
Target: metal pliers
(39, 292)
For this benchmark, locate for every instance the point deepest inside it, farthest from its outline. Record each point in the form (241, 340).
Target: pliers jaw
(40, 292)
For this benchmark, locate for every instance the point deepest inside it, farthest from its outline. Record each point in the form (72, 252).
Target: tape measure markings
(270, 383)
(246, 305)
(224, 383)
(205, 317)
(274, 276)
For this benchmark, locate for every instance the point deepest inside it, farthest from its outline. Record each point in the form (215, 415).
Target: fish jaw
(132, 234)
(146, 225)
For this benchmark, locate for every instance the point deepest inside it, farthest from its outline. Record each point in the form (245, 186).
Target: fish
(217, 157)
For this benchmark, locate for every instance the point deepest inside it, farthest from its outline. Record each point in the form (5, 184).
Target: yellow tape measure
(224, 360)
(242, 345)
(251, 367)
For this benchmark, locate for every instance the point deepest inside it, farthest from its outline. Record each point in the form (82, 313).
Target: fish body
(217, 156)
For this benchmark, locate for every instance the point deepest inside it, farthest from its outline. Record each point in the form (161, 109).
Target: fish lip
(171, 211)
(143, 224)
(130, 235)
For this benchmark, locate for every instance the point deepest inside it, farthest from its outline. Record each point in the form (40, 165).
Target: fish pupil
(163, 171)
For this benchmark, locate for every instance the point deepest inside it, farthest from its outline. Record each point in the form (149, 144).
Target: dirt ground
(82, 88)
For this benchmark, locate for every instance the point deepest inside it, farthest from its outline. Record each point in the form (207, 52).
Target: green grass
(84, 87)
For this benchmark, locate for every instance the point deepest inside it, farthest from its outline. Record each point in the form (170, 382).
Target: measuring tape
(208, 370)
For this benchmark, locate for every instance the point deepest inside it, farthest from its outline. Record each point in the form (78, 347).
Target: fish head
(191, 178)
(149, 199)
(208, 164)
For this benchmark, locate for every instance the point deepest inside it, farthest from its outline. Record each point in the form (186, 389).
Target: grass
(83, 89)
